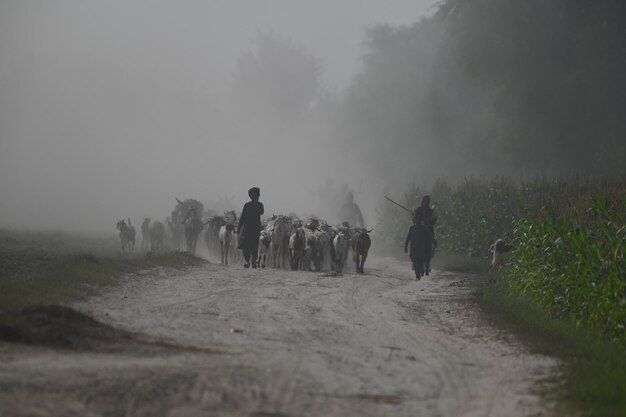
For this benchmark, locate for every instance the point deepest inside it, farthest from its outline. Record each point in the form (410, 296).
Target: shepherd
(249, 227)
(429, 218)
(421, 241)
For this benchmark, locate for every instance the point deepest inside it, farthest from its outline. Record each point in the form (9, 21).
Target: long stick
(399, 205)
(359, 190)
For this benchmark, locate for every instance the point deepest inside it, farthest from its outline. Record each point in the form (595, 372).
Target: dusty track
(237, 342)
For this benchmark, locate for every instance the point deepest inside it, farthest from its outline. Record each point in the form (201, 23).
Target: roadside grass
(65, 278)
(566, 279)
(594, 369)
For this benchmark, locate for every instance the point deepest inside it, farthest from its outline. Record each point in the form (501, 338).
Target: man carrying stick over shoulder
(421, 241)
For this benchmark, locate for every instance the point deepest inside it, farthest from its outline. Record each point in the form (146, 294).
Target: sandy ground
(227, 341)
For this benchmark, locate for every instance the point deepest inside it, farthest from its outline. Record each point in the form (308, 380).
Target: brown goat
(360, 244)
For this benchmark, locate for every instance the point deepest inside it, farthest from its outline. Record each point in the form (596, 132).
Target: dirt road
(227, 341)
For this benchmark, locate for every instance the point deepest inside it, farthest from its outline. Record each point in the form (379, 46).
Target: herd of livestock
(284, 242)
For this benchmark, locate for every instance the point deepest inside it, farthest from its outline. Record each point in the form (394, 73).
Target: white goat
(235, 252)
(279, 240)
(264, 244)
(498, 249)
(341, 243)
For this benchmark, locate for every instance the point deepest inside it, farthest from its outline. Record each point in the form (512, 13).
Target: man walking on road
(249, 227)
(420, 239)
(429, 218)
(428, 215)
(351, 213)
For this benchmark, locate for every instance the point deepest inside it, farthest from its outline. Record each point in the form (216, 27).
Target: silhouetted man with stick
(421, 242)
(429, 218)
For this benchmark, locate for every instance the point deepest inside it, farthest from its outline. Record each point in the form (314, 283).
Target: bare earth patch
(228, 341)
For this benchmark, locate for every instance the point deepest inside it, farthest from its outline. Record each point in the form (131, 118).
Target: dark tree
(495, 87)
(559, 71)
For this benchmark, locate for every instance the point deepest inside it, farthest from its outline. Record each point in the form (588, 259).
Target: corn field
(569, 238)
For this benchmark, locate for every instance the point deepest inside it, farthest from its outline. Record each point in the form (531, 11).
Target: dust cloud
(110, 110)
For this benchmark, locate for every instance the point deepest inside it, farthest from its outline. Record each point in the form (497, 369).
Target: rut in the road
(58, 326)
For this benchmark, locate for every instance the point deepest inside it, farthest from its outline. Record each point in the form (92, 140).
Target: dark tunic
(429, 216)
(421, 242)
(249, 228)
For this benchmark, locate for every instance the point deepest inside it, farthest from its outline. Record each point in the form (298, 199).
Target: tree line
(483, 87)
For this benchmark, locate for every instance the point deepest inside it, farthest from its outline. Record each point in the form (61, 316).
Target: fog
(111, 109)
(494, 88)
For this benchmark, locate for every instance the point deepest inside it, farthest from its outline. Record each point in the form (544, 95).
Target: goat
(309, 254)
(264, 245)
(145, 233)
(323, 252)
(360, 243)
(341, 245)
(498, 249)
(331, 232)
(296, 248)
(227, 232)
(127, 234)
(156, 232)
(236, 254)
(212, 234)
(193, 227)
(278, 229)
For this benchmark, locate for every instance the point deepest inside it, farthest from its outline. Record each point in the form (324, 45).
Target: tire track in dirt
(396, 338)
(291, 343)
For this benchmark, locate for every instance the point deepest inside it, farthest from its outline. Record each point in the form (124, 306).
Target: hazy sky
(105, 105)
